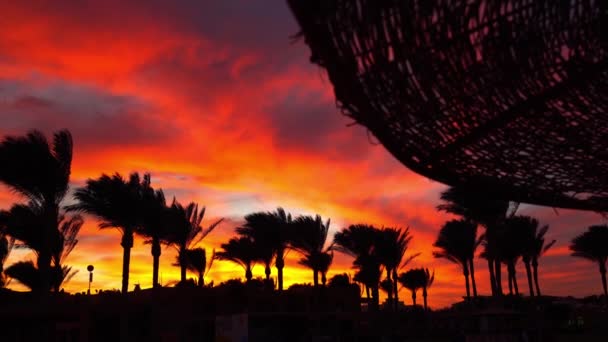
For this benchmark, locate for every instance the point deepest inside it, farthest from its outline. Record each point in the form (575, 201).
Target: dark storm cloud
(94, 117)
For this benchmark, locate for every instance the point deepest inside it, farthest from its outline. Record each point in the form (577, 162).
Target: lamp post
(90, 268)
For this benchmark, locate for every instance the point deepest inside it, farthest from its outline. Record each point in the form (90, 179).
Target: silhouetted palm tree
(540, 249)
(457, 242)
(69, 227)
(325, 260)
(309, 238)
(117, 203)
(360, 241)
(489, 212)
(533, 247)
(40, 172)
(428, 281)
(386, 285)
(241, 251)
(391, 247)
(593, 245)
(413, 280)
(186, 230)
(283, 236)
(512, 247)
(271, 234)
(196, 261)
(153, 225)
(368, 274)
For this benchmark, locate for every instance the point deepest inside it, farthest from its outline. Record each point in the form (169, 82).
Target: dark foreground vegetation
(297, 314)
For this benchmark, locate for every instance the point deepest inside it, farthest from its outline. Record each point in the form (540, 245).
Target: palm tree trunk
(492, 276)
(280, 264)
(267, 272)
(603, 273)
(390, 292)
(395, 288)
(45, 256)
(127, 244)
(414, 297)
(535, 274)
(498, 276)
(156, 251)
(510, 280)
(44, 268)
(465, 272)
(201, 279)
(182, 263)
(367, 294)
(324, 278)
(248, 273)
(472, 271)
(529, 276)
(315, 277)
(376, 297)
(512, 274)
(514, 279)
(182, 272)
(424, 295)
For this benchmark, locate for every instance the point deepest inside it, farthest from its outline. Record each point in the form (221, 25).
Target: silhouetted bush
(339, 280)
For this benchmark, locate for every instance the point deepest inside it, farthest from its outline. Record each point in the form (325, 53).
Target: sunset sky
(223, 107)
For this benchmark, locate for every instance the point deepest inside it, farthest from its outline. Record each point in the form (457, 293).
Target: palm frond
(548, 246)
(409, 259)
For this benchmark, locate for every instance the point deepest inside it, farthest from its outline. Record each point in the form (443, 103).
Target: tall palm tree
(413, 280)
(196, 261)
(512, 248)
(483, 209)
(116, 202)
(368, 273)
(153, 225)
(539, 249)
(241, 251)
(386, 285)
(391, 247)
(532, 240)
(283, 236)
(428, 281)
(309, 238)
(271, 233)
(186, 230)
(69, 227)
(593, 245)
(325, 260)
(40, 172)
(457, 242)
(360, 241)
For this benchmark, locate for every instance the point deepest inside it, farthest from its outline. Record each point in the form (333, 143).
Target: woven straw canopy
(500, 96)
